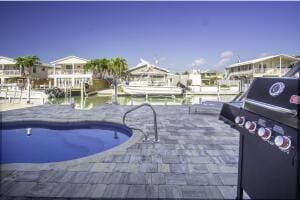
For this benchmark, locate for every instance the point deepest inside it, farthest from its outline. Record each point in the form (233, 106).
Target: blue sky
(206, 35)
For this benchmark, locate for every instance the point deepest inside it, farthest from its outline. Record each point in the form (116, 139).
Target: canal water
(92, 101)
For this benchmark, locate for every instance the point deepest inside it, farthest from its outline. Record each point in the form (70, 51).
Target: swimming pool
(43, 142)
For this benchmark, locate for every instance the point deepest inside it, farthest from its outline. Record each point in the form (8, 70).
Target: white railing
(80, 71)
(271, 71)
(68, 71)
(229, 82)
(268, 71)
(241, 72)
(10, 72)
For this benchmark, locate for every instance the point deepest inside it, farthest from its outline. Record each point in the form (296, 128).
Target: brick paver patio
(196, 158)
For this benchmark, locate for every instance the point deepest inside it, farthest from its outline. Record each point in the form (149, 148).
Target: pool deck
(12, 106)
(196, 157)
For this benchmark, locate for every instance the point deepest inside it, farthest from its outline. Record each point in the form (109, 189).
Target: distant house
(149, 79)
(68, 72)
(8, 69)
(269, 66)
(145, 71)
(210, 77)
(10, 73)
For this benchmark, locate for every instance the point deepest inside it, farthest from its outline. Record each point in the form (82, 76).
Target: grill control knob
(283, 142)
(250, 126)
(240, 120)
(264, 133)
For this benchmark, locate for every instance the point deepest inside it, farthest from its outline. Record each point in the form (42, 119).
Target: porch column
(2, 66)
(73, 68)
(73, 82)
(54, 70)
(55, 82)
(280, 66)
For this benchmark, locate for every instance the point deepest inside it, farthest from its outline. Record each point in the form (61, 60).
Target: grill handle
(272, 107)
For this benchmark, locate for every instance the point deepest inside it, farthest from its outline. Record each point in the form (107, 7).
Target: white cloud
(225, 59)
(263, 54)
(226, 54)
(199, 62)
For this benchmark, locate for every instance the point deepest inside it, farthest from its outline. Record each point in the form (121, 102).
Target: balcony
(236, 73)
(270, 72)
(260, 72)
(68, 71)
(10, 73)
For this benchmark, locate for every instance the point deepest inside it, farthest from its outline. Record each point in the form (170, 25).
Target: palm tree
(99, 66)
(28, 62)
(119, 66)
(104, 66)
(89, 66)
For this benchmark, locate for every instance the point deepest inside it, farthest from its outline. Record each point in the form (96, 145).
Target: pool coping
(63, 165)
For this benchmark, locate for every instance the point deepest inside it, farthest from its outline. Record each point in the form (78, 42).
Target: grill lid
(275, 98)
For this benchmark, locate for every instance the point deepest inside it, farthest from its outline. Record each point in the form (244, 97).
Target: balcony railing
(241, 72)
(10, 72)
(68, 71)
(269, 71)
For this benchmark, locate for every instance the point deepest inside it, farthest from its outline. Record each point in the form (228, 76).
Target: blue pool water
(52, 142)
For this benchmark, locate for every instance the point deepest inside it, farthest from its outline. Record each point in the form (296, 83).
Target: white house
(147, 72)
(150, 79)
(69, 72)
(269, 66)
(9, 70)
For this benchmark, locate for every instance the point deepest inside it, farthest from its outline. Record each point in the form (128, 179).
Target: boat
(149, 79)
(148, 89)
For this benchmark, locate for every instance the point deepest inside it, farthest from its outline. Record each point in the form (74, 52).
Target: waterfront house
(269, 66)
(210, 77)
(68, 72)
(147, 78)
(10, 73)
(144, 71)
(8, 69)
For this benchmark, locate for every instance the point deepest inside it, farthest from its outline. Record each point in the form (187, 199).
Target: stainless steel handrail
(272, 107)
(154, 117)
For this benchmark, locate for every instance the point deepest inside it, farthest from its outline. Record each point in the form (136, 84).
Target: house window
(265, 66)
(68, 66)
(43, 69)
(34, 69)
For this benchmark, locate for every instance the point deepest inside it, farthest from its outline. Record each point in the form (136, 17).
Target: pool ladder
(154, 117)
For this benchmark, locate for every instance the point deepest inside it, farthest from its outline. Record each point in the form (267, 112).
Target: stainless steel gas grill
(268, 122)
